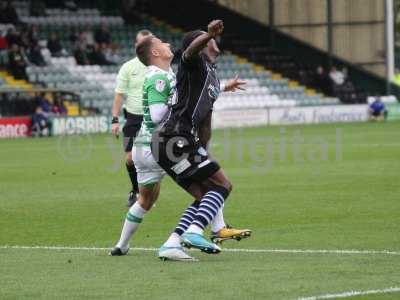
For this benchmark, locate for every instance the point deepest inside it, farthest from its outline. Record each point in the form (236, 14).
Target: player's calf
(132, 221)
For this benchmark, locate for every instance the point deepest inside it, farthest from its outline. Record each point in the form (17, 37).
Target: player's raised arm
(215, 28)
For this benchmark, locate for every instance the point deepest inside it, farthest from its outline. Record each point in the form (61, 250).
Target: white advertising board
(318, 114)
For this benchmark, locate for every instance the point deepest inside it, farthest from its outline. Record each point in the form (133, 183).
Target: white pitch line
(304, 251)
(353, 293)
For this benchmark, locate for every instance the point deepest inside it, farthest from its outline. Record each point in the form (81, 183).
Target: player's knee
(228, 187)
(196, 191)
(223, 189)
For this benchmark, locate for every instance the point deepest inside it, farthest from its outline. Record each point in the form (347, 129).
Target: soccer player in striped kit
(179, 143)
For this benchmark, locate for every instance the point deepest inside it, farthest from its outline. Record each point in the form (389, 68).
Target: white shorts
(148, 171)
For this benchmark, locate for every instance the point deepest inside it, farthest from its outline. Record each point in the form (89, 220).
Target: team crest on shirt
(213, 91)
(160, 85)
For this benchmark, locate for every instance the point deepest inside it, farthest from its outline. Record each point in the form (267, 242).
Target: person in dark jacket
(40, 123)
(54, 45)
(17, 62)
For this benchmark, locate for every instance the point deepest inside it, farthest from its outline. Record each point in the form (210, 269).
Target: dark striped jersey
(197, 89)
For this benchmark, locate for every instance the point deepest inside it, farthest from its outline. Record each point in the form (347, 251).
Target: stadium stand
(253, 35)
(93, 81)
(296, 69)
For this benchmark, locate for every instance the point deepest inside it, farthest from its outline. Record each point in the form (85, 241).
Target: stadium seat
(96, 83)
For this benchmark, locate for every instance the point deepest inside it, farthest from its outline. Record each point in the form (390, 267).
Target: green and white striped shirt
(158, 88)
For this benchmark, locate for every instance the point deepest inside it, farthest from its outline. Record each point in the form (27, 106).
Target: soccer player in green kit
(130, 84)
(158, 91)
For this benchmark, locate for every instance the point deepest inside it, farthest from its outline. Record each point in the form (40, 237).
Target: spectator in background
(96, 55)
(321, 81)
(33, 35)
(73, 37)
(13, 37)
(40, 123)
(25, 41)
(3, 42)
(58, 108)
(102, 35)
(54, 45)
(111, 54)
(3, 48)
(8, 14)
(44, 104)
(17, 62)
(338, 77)
(49, 104)
(80, 55)
(35, 55)
(86, 37)
(377, 110)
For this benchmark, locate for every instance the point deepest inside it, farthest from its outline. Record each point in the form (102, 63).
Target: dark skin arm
(205, 131)
(214, 28)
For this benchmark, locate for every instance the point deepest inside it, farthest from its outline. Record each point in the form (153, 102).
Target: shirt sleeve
(157, 112)
(191, 62)
(122, 80)
(159, 90)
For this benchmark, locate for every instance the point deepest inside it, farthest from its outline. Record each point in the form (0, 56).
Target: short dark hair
(143, 50)
(144, 32)
(189, 37)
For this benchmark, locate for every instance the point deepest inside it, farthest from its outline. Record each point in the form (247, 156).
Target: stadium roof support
(389, 43)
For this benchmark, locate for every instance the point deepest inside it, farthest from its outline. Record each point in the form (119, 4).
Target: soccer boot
(174, 253)
(132, 198)
(229, 233)
(195, 240)
(116, 251)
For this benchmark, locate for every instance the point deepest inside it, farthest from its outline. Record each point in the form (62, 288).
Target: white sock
(195, 229)
(132, 221)
(218, 222)
(174, 240)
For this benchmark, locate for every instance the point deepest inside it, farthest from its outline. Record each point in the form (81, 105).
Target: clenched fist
(215, 28)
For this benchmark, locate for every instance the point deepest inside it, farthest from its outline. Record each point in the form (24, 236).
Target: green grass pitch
(328, 187)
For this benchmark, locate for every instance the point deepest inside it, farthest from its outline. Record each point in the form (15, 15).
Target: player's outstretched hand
(215, 28)
(235, 84)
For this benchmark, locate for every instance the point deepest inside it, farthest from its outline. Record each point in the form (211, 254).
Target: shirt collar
(153, 67)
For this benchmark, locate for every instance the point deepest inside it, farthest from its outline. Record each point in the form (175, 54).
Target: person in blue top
(377, 110)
